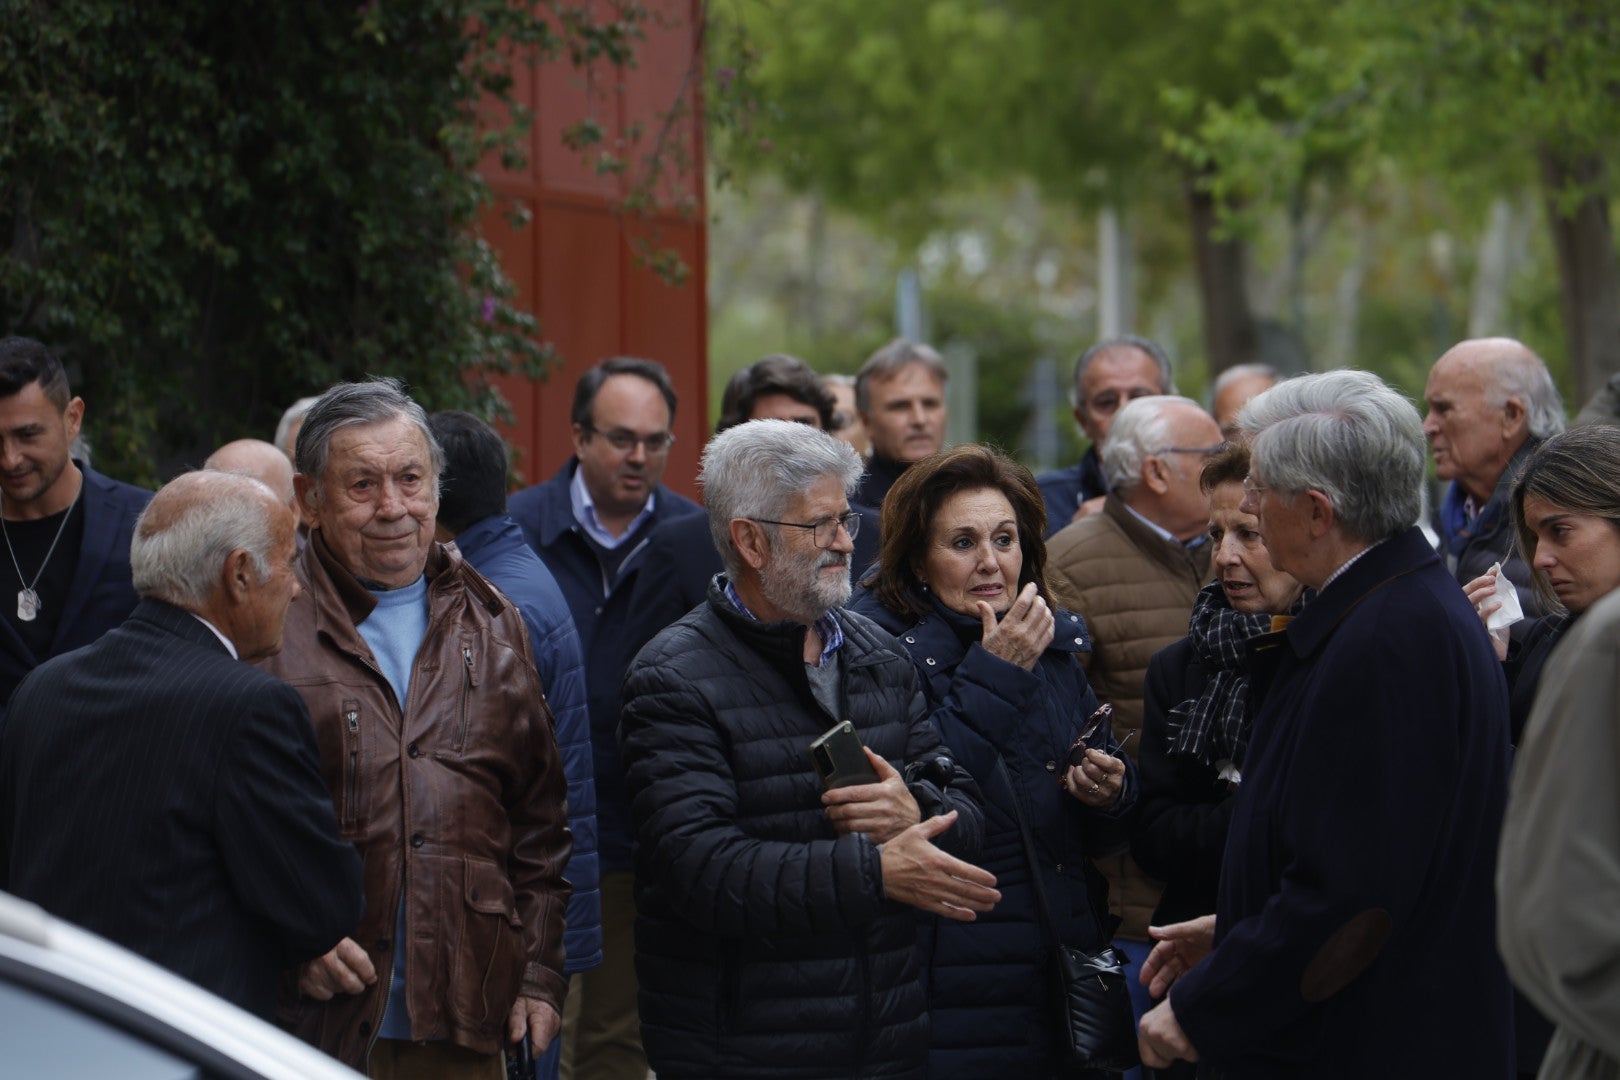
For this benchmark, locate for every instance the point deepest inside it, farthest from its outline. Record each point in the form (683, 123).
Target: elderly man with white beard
(774, 935)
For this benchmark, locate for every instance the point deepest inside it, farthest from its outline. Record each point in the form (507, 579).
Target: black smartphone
(840, 758)
(520, 1060)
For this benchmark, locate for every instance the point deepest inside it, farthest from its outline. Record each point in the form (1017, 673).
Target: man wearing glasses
(774, 934)
(590, 525)
(1106, 377)
(1134, 570)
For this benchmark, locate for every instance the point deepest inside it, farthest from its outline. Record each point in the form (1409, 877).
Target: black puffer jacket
(764, 945)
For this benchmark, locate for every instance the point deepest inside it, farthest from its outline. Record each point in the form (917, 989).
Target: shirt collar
(585, 513)
(1348, 563)
(230, 646)
(832, 635)
(1165, 534)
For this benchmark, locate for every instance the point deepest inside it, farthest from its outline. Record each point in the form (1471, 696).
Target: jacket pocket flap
(488, 889)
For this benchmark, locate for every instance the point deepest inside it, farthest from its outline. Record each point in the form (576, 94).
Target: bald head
(192, 524)
(258, 459)
(221, 546)
(1234, 388)
(1486, 398)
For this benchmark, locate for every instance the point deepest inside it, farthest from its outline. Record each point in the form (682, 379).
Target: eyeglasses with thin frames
(1252, 489)
(624, 441)
(823, 533)
(1206, 451)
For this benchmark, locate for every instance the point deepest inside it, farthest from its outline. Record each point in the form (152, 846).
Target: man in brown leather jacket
(455, 799)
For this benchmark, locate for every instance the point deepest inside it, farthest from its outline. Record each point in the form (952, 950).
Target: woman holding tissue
(1565, 505)
(961, 582)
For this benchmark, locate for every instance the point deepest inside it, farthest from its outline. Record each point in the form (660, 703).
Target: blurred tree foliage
(1238, 118)
(882, 105)
(212, 209)
(1488, 95)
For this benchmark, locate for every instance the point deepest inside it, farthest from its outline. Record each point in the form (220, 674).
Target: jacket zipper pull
(472, 676)
(354, 721)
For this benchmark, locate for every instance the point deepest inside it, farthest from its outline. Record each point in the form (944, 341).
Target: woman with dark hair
(1195, 723)
(960, 580)
(1565, 508)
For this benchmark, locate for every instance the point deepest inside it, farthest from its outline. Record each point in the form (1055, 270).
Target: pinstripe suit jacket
(169, 797)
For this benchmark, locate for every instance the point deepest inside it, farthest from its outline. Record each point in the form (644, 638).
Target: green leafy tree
(882, 105)
(212, 209)
(1486, 95)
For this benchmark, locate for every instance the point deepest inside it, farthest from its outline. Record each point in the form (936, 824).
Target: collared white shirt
(585, 513)
(230, 646)
(1165, 534)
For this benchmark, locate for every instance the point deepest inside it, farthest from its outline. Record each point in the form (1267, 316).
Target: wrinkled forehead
(1122, 368)
(386, 445)
(1457, 379)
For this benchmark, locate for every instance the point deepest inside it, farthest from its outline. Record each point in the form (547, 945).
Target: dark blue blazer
(495, 548)
(169, 797)
(1356, 928)
(605, 617)
(101, 596)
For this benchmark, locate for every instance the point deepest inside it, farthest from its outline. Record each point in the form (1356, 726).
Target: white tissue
(1508, 611)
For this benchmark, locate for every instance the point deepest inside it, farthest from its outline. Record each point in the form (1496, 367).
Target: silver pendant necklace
(27, 598)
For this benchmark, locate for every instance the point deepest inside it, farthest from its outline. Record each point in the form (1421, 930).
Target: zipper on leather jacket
(468, 684)
(351, 765)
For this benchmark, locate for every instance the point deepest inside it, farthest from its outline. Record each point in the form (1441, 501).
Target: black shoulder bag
(1090, 1001)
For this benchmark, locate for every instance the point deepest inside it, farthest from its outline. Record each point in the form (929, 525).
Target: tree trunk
(1116, 298)
(1589, 281)
(1493, 271)
(1230, 334)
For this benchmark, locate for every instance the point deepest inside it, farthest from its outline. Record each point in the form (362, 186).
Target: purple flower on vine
(488, 309)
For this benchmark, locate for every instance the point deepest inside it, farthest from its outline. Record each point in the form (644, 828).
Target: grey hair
(754, 470)
(1167, 379)
(890, 359)
(1348, 435)
(1141, 429)
(1243, 371)
(178, 559)
(295, 412)
(1519, 372)
(346, 404)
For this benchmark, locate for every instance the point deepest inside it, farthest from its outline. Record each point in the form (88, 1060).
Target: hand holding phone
(839, 758)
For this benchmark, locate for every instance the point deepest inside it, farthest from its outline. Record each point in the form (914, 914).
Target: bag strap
(1041, 907)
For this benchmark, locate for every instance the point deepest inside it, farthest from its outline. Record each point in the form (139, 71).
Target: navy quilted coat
(988, 999)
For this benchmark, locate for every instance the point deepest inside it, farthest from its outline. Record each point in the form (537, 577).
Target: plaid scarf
(1214, 727)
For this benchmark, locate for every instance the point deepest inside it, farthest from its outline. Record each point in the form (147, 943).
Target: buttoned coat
(1356, 917)
(989, 998)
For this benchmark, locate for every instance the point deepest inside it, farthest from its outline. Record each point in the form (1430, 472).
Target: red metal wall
(573, 263)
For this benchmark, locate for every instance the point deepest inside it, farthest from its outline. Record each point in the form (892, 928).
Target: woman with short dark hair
(961, 582)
